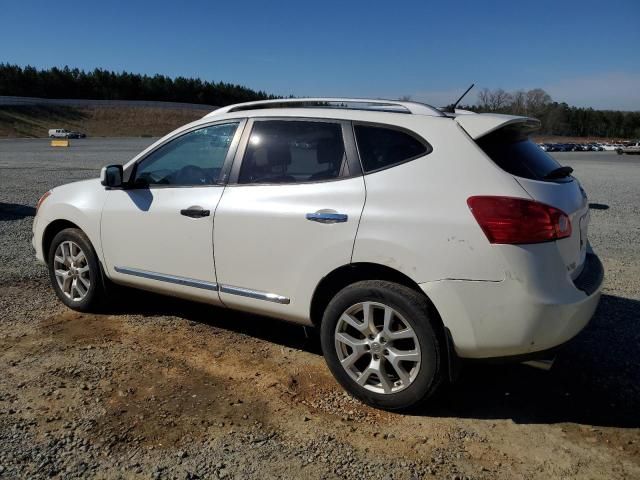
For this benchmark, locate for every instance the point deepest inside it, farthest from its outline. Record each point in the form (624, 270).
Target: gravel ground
(161, 388)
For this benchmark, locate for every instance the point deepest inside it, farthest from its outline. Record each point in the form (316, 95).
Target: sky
(583, 52)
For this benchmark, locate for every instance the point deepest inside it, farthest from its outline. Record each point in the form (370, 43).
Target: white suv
(410, 236)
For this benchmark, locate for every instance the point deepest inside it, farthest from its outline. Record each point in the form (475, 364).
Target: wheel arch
(51, 231)
(345, 275)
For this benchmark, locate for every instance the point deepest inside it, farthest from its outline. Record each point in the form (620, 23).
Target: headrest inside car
(279, 155)
(329, 151)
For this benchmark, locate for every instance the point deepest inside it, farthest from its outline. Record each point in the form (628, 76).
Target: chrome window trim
(246, 292)
(162, 277)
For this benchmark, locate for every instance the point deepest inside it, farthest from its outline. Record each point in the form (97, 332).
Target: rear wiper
(559, 172)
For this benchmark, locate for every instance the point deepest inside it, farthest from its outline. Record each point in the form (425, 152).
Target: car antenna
(452, 108)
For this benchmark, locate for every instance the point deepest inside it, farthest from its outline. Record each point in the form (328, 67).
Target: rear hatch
(505, 140)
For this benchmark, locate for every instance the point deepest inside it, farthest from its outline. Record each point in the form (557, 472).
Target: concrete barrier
(12, 101)
(60, 143)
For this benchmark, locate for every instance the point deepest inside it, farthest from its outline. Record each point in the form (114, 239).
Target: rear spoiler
(482, 124)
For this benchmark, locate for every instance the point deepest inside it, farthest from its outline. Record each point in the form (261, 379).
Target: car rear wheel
(74, 271)
(379, 342)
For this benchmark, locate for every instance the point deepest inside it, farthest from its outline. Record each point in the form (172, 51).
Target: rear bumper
(516, 317)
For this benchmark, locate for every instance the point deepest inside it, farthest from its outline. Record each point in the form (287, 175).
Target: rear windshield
(512, 151)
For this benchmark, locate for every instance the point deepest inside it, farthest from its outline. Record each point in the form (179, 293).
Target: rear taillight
(517, 220)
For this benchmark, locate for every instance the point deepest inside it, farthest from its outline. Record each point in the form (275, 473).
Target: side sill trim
(245, 292)
(189, 282)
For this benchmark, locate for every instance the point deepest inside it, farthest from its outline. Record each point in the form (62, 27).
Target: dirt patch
(177, 390)
(116, 121)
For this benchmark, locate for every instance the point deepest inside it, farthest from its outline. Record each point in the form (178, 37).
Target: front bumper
(36, 240)
(516, 317)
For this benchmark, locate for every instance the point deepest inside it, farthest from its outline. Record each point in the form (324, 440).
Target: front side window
(382, 147)
(193, 159)
(281, 151)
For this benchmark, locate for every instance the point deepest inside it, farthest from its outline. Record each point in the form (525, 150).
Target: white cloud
(611, 90)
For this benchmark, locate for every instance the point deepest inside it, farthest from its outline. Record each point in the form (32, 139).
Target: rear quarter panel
(416, 219)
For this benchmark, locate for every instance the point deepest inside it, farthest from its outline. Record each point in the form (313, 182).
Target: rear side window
(281, 151)
(382, 147)
(514, 153)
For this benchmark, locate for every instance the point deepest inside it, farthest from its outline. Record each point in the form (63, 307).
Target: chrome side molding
(190, 282)
(246, 292)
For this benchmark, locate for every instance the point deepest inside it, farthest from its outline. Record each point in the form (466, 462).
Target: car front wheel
(379, 341)
(74, 270)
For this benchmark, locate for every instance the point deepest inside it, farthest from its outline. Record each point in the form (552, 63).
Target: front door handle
(195, 212)
(327, 217)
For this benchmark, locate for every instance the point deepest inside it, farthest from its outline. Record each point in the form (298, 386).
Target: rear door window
(382, 147)
(514, 153)
(285, 151)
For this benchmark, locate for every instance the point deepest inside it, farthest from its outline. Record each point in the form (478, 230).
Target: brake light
(42, 199)
(517, 220)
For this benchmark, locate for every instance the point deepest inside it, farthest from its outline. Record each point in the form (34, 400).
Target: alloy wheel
(71, 270)
(377, 347)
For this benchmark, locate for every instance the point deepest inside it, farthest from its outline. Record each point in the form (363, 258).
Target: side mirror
(111, 176)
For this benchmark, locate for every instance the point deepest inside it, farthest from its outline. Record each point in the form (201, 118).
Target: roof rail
(414, 108)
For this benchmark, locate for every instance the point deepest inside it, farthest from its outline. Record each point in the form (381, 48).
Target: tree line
(108, 85)
(559, 118)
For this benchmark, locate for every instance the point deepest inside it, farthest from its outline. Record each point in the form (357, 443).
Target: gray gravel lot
(30, 167)
(168, 389)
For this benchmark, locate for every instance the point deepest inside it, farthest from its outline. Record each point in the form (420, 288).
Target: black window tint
(195, 158)
(381, 147)
(513, 152)
(282, 151)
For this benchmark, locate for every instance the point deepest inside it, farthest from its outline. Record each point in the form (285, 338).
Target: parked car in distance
(76, 135)
(352, 220)
(630, 148)
(64, 133)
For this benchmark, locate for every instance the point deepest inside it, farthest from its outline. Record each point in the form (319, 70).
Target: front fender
(79, 203)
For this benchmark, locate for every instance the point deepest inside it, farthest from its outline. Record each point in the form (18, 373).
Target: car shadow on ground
(595, 380)
(15, 211)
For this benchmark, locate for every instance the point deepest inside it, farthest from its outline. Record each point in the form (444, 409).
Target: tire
(73, 243)
(409, 309)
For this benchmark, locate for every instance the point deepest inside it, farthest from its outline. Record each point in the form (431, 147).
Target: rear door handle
(327, 217)
(195, 212)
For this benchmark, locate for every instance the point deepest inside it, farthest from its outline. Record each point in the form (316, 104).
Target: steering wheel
(192, 175)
